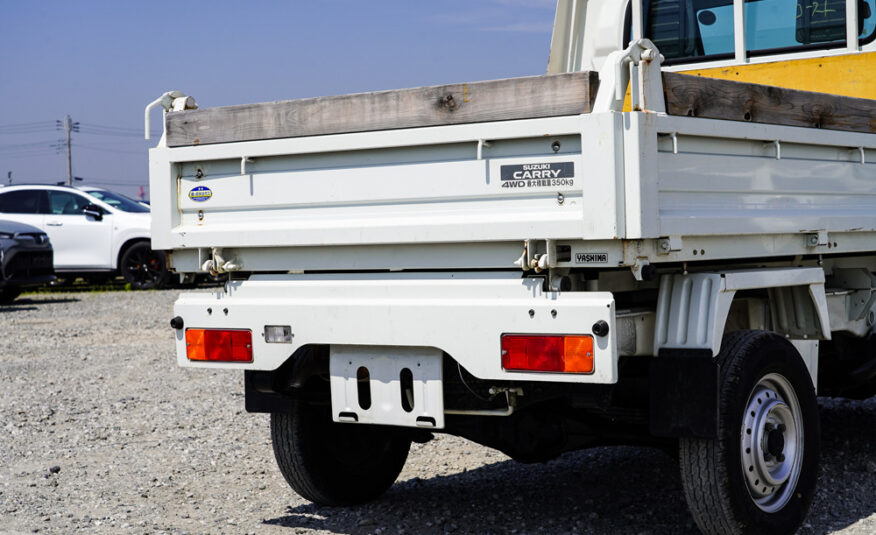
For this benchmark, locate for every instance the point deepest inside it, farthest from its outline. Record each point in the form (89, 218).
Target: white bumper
(462, 314)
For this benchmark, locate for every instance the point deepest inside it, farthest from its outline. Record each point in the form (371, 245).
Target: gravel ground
(103, 433)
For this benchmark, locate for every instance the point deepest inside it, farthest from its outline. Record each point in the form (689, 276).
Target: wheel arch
(130, 242)
(693, 308)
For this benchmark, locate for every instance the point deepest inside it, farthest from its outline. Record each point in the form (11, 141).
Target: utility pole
(69, 127)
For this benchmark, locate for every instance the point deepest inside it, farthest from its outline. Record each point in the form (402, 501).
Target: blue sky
(103, 61)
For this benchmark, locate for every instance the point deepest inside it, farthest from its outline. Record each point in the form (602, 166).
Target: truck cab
(827, 46)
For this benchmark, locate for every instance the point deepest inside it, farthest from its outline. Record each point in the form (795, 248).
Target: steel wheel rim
(771, 442)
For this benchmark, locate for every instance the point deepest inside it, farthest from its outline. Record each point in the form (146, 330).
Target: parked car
(25, 259)
(116, 200)
(96, 233)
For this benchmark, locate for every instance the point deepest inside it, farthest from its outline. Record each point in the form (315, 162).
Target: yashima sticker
(538, 175)
(200, 194)
(591, 258)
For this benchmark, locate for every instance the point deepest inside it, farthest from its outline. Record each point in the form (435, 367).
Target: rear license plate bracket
(399, 386)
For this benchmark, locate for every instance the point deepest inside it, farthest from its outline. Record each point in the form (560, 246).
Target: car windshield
(117, 200)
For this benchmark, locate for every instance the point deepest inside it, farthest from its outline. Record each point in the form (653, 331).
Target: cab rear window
(703, 30)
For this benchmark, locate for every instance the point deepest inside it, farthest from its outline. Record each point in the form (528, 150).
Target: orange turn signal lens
(567, 354)
(578, 354)
(217, 345)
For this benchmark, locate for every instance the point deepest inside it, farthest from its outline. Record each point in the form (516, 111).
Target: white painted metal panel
(752, 195)
(640, 175)
(431, 202)
(808, 350)
(692, 308)
(726, 177)
(636, 175)
(691, 311)
(384, 367)
(602, 156)
(462, 314)
(405, 137)
(301, 193)
(735, 130)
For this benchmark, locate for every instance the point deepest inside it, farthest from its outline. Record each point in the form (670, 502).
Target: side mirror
(93, 211)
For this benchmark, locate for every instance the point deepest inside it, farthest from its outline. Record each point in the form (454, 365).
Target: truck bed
(463, 175)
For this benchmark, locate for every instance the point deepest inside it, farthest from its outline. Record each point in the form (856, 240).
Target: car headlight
(5, 236)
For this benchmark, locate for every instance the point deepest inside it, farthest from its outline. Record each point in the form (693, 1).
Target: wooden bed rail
(514, 98)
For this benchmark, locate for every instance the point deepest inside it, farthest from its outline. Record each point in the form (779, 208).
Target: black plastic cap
(176, 323)
(649, 272)
(600, 328)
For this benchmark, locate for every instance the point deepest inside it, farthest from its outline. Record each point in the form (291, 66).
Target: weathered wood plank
(495, 100)
(711, 98)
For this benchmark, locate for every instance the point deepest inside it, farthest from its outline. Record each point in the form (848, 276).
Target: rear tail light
(219, 345)
(568, 354)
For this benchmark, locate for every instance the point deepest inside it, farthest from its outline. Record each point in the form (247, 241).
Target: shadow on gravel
(15, 308)
(602, 490)
(33, 300)
(847, 486)
(26, 303)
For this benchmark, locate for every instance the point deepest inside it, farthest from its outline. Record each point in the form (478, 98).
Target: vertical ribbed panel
(688, 309)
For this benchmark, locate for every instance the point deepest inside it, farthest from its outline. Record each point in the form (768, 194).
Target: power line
(89, 128)
(105, 149)
(39, 147)
(20, 131)
(33, 154)
(26, 145)
(118, 131)
(42, 149)
(16, 125)
(39, 124)
(107, 127)
(110, 134)
(122, 142)
(139, 135)
(107, 182)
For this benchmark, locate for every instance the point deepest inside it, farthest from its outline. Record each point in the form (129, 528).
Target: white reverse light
(278, 334)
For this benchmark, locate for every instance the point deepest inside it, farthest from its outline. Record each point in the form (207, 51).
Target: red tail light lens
(218, 345)
(567, 354)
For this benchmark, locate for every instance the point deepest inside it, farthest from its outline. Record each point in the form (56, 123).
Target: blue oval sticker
(200, 194)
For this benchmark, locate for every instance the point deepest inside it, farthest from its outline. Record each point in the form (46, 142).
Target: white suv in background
(96, 233)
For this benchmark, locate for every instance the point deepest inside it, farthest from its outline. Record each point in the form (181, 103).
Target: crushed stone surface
(102, 432)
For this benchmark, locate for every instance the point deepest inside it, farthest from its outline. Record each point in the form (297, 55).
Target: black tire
(332, 463)
(8, 295)
(758, 370)
(143, 268)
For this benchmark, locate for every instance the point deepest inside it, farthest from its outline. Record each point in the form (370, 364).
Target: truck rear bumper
(461, 314)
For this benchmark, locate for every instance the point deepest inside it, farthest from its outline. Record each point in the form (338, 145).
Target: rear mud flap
(684, 394)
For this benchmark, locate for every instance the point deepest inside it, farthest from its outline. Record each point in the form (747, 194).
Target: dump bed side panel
(724, 177)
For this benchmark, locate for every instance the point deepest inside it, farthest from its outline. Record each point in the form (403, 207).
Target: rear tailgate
(493, 181)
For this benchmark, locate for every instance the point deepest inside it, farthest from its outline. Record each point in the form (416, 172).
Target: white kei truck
(612, 253)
